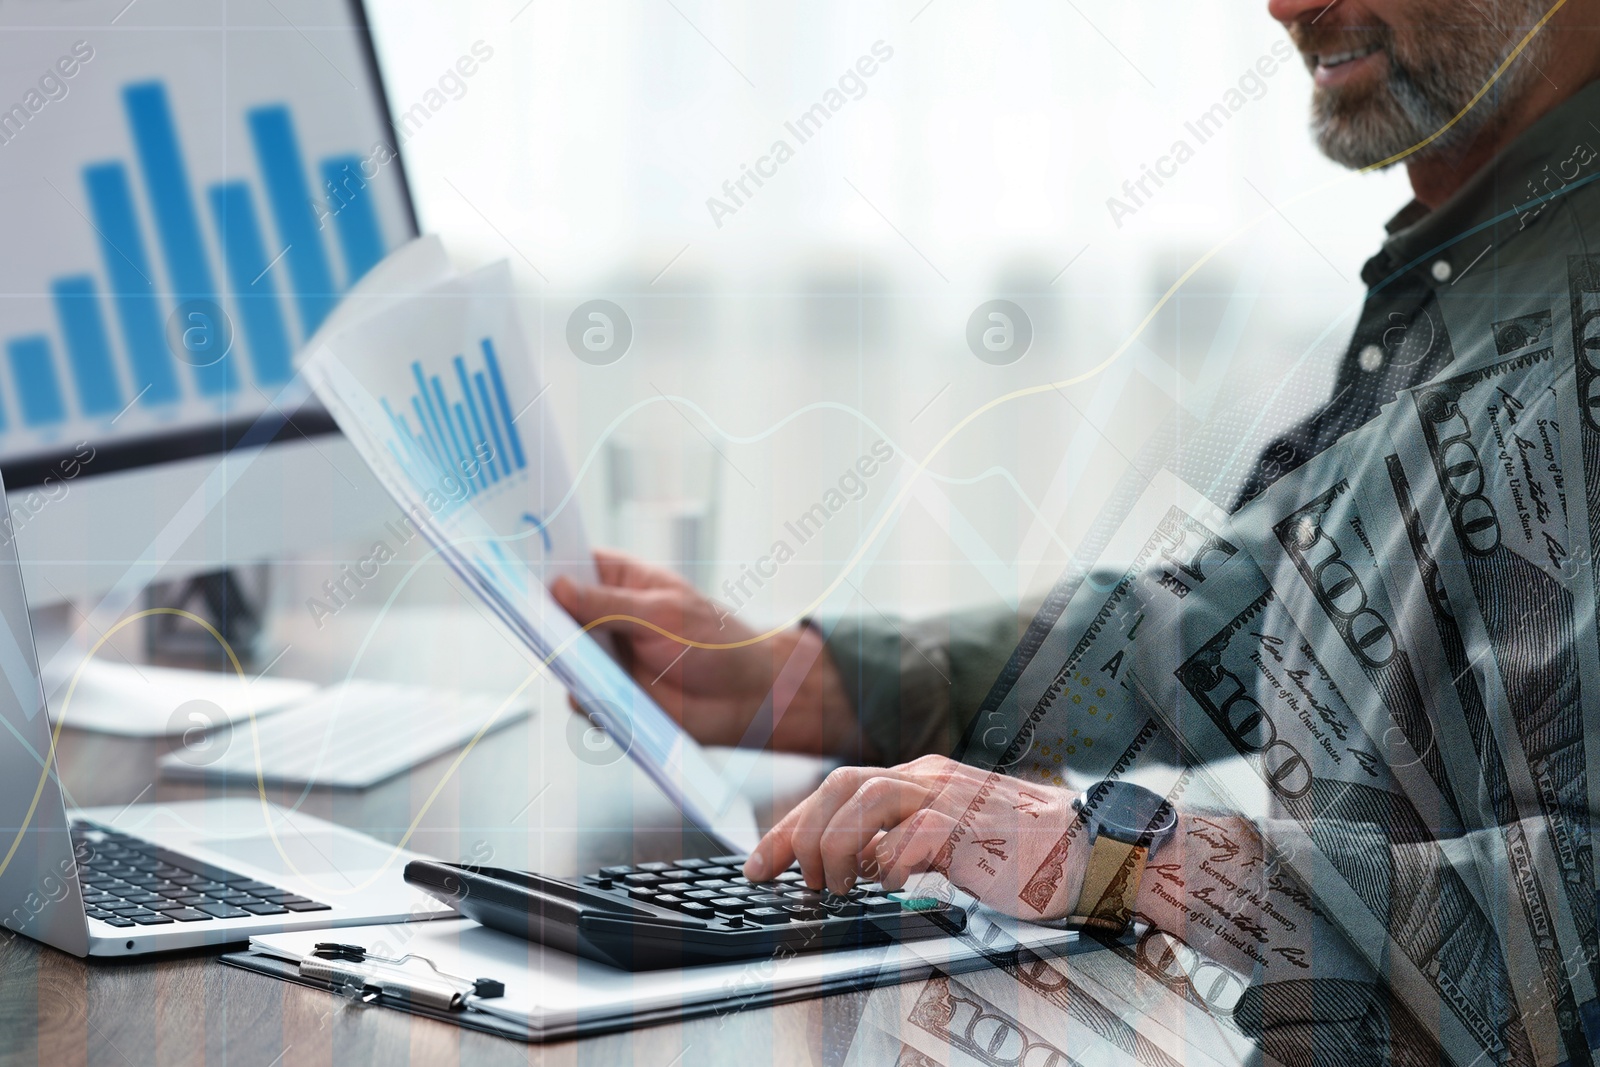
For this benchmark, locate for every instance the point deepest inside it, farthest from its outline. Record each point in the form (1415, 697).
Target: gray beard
(1408, 111)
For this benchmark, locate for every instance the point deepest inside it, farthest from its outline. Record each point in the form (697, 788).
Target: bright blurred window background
(829, 310)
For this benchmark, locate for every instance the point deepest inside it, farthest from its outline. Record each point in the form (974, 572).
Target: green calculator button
(911, 903)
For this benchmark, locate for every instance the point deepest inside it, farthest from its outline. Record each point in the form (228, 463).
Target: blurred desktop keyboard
(347, 736)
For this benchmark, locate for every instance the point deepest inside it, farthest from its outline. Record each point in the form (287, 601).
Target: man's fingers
(585, 602)
(777, 849)
(912, 847)
(880, 804)
(816, 814)
(629, 571)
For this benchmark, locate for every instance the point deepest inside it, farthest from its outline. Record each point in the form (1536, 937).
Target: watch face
(1129, 813)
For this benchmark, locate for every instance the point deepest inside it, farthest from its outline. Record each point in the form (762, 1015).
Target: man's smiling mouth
(1339, 59)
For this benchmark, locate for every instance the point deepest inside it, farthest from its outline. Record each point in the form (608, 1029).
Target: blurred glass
(662, 503)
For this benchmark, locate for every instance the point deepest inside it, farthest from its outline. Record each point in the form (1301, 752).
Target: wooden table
(521, 798)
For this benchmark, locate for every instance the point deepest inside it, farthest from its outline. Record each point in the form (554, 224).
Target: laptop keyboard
(130, 882)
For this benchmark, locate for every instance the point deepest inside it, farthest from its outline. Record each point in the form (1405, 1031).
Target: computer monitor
(188, 188)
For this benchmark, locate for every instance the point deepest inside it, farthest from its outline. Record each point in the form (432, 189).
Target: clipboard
(539, 994)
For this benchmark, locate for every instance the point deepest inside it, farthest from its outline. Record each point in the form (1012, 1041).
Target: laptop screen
(39, 892)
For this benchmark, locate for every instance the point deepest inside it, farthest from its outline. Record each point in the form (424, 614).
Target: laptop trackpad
(308, 854)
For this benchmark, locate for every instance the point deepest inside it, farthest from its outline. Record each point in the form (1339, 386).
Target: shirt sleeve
(917, 683)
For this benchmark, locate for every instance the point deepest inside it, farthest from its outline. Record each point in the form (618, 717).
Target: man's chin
(1363, 137)
(1356, 152)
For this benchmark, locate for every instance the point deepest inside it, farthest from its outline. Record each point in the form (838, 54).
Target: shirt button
(1441, 270)
(1370, 358)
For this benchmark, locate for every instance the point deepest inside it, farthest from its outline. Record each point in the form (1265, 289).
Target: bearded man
(1493, 108)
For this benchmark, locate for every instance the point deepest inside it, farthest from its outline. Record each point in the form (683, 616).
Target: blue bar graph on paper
(266, 337)
(457, 447)
(464, 437)
(355, 219)
(493, 364)
(88, 345)
(34, 374)
(481, 445)
(494, 425)
(435, 447)
(289, 194)
(133, 288)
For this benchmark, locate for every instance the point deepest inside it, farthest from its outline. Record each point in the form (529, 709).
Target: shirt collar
(1559, 150)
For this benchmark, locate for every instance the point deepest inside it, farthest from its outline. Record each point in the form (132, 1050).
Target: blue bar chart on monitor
(201, 235)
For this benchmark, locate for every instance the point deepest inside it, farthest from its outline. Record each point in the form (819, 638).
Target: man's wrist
(819, 717)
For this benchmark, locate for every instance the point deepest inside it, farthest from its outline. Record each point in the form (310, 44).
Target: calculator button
(675, 887)
(740, 891)
(713, 883)
(880, 905)
(641, 892)
(728, 861)
(790, 876)
(768, 899)
(730, 904)
(767, 916)
(643, 879)
(655, 866)
(693, 865)
(719, 872)
(616, 872)
(703, 894)
(667, 900)
(697, 909)
(679, 875)
(804, 911)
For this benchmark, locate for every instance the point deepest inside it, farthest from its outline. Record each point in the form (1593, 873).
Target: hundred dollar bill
(1086, 715)
(1581, 449)
(1071, 708)
(1246, 677)
(1044, 993)
(1547, 884)
(989, 1019)
(1327, 541)
(1481, 457)
(1313, 545)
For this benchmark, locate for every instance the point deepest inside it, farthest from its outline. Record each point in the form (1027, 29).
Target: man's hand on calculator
(989, 834)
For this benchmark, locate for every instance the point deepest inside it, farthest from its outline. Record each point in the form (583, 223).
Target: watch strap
(1110, 885)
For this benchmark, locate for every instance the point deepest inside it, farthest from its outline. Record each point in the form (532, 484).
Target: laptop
(124, 881)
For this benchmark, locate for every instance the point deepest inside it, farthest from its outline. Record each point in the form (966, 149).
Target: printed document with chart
(437, 389)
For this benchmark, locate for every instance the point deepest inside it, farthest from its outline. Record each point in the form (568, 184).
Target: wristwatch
(1127, 823)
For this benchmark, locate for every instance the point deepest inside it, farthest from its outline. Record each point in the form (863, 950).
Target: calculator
(647, 916)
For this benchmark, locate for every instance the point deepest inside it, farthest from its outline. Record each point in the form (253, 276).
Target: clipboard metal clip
(368, 976)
